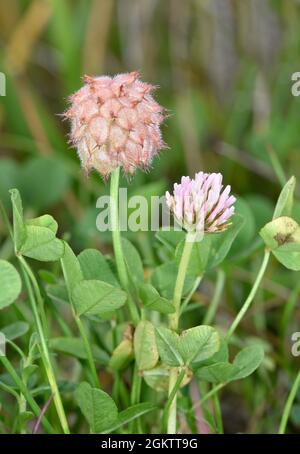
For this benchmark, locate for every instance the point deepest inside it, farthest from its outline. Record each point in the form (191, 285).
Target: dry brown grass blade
(8, 17)
(96, 36)
(32, 116)
(25, 35)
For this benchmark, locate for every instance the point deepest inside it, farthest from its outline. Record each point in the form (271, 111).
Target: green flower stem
(135, 397)
(22, 388)
(277, 167)
(38, 295)
(88, 350)
(210, 394)
(45, 352)
(213, 306)
(122, 270)
(81, 329)
(288, 405)
(251, 295)
(189, 296)
(218, 414)
(117, 244)
(174, 323)
(243, 311)
(172, 395)
(183, 265)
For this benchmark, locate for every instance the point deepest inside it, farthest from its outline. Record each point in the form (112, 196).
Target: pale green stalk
(213, 306)
(288, 405)
(45, 352)
(174, 322)
(122, 270)
(88, 350)
(251, 295)
(117, 243)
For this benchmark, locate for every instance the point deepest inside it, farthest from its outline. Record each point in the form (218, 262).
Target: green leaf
(248, 360)
(97, 406)
(58, 293)
(285, 200)
(41, 244)
(10, 284)
(94, 266)
(280, 231)
(71, 268)
(247, 230)
(218, 372)
(15, 330)
(9, 177)
(19, 227)
(261, 208)
(29, 371)
(96, 297)
(221, 242)
(144, 342)
(158, 378)
(282, 236)
(35, 238)
(131, 413)
(44, 221)
(164, 277)
(199, 255)
(133, 262)
(192, 346)
(170, 238)
(221, 356)
(244, 364)
(74, 346)
(168, 345)
(153, 301)
(199, 343)
(25, 417)
(122, 355)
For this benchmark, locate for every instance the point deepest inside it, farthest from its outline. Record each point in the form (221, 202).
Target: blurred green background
(224, 70)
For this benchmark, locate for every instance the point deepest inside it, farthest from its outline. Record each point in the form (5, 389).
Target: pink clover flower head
(115, 121)
(201, 204)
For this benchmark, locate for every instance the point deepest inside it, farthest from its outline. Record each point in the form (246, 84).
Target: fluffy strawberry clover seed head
(115, 122)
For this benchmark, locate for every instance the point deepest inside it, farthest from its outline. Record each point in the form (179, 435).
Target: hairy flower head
(201, 204)
(115, 121)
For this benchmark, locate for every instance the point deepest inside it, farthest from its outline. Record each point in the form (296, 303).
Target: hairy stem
(174, 323)
(184, 261)
(117, 244)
